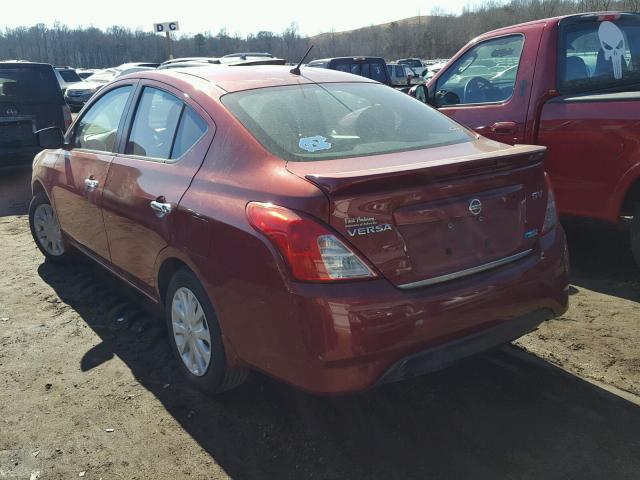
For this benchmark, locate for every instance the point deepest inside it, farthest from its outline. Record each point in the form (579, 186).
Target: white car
(77, 94)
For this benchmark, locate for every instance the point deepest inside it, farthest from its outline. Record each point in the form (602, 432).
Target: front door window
(484, 74)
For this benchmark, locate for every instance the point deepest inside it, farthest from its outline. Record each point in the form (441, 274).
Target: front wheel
(195, 336)
(635, 234)
(45, 229)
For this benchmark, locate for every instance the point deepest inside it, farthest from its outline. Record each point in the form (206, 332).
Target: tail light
(66, 114)
(551, 215)
(313, 252)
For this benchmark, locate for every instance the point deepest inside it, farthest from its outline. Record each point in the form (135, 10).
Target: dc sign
(165, 27)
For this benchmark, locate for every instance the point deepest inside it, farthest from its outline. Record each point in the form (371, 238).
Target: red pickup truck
(569, 83)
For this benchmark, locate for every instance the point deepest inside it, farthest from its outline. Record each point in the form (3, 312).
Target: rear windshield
(20, 84)
(339, 120)
(69, 76)
(598, 55)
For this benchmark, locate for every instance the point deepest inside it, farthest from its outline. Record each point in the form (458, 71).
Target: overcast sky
(241, 17)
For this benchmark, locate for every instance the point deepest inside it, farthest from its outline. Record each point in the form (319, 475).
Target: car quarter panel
(246, 279)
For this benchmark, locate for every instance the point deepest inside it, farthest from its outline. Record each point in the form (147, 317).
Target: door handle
(91, 183)
(504, 128)
(161, 208)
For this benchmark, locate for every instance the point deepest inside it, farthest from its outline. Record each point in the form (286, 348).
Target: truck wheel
(45, 229)
(635, 234)
(195, 336)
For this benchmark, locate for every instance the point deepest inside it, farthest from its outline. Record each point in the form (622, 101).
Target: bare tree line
(434, 36)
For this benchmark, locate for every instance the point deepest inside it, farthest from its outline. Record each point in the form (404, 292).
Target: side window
(190, 130)
(599, 55)
(154, 124)
(97, 128)
(484, 74)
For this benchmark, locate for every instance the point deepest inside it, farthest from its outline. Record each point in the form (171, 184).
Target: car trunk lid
(428, 216)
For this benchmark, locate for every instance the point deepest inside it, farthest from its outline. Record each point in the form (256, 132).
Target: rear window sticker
(313, 144)
(612, 43)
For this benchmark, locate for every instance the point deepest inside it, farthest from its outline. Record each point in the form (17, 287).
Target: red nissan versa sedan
(322, 228)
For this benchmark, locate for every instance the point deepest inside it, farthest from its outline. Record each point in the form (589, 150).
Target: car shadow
(503, 414)
(15, 192)
(601, 259)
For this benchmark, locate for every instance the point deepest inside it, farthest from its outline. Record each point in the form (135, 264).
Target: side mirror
(422, 93)
(51, 137)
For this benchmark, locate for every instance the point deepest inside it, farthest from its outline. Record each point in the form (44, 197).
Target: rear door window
(98, 127)
(191, 129)
(597, 55)
(154, 125)
(486, 73)
(164, 127)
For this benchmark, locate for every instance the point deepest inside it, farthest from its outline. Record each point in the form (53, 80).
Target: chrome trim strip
(464, 273)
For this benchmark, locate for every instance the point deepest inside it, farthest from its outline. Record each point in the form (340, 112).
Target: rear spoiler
(394, 176)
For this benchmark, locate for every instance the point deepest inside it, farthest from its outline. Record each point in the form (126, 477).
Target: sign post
(167, 28)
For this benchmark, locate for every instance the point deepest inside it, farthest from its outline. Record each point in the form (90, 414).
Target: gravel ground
(83, 394)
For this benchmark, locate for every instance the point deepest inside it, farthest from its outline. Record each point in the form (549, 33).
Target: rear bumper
(349, 337)
(441, 356)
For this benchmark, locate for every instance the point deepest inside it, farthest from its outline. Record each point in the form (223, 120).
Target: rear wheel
(635, 234)
(195, 336)
(45, 229)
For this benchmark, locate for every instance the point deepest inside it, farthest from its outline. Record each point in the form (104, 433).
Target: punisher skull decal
(612, 43)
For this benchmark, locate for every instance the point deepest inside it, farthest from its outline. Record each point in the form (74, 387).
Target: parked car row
(77, 94)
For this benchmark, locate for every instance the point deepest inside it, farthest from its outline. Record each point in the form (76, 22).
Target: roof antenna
(296, 70)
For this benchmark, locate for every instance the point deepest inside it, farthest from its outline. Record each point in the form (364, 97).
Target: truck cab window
(486, 73)
(599, 55)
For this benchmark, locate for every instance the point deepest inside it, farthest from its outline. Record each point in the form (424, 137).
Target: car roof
(248, 54)
(354, 57)
(238, 78)
(24, 63)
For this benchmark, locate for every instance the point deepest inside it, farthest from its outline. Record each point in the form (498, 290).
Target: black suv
(30, 99)
(374, 68)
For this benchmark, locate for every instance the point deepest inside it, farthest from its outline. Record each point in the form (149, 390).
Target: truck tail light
(313, 252)
(66, 115)
(551, 215)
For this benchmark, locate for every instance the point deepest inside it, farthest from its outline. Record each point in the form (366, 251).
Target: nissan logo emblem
(12, 112)
(475, 206)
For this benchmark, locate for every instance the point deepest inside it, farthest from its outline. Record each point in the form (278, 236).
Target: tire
(635, 234)
(193, 336)
(46, 232)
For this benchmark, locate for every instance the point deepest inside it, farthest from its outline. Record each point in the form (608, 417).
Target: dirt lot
(70, 372)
